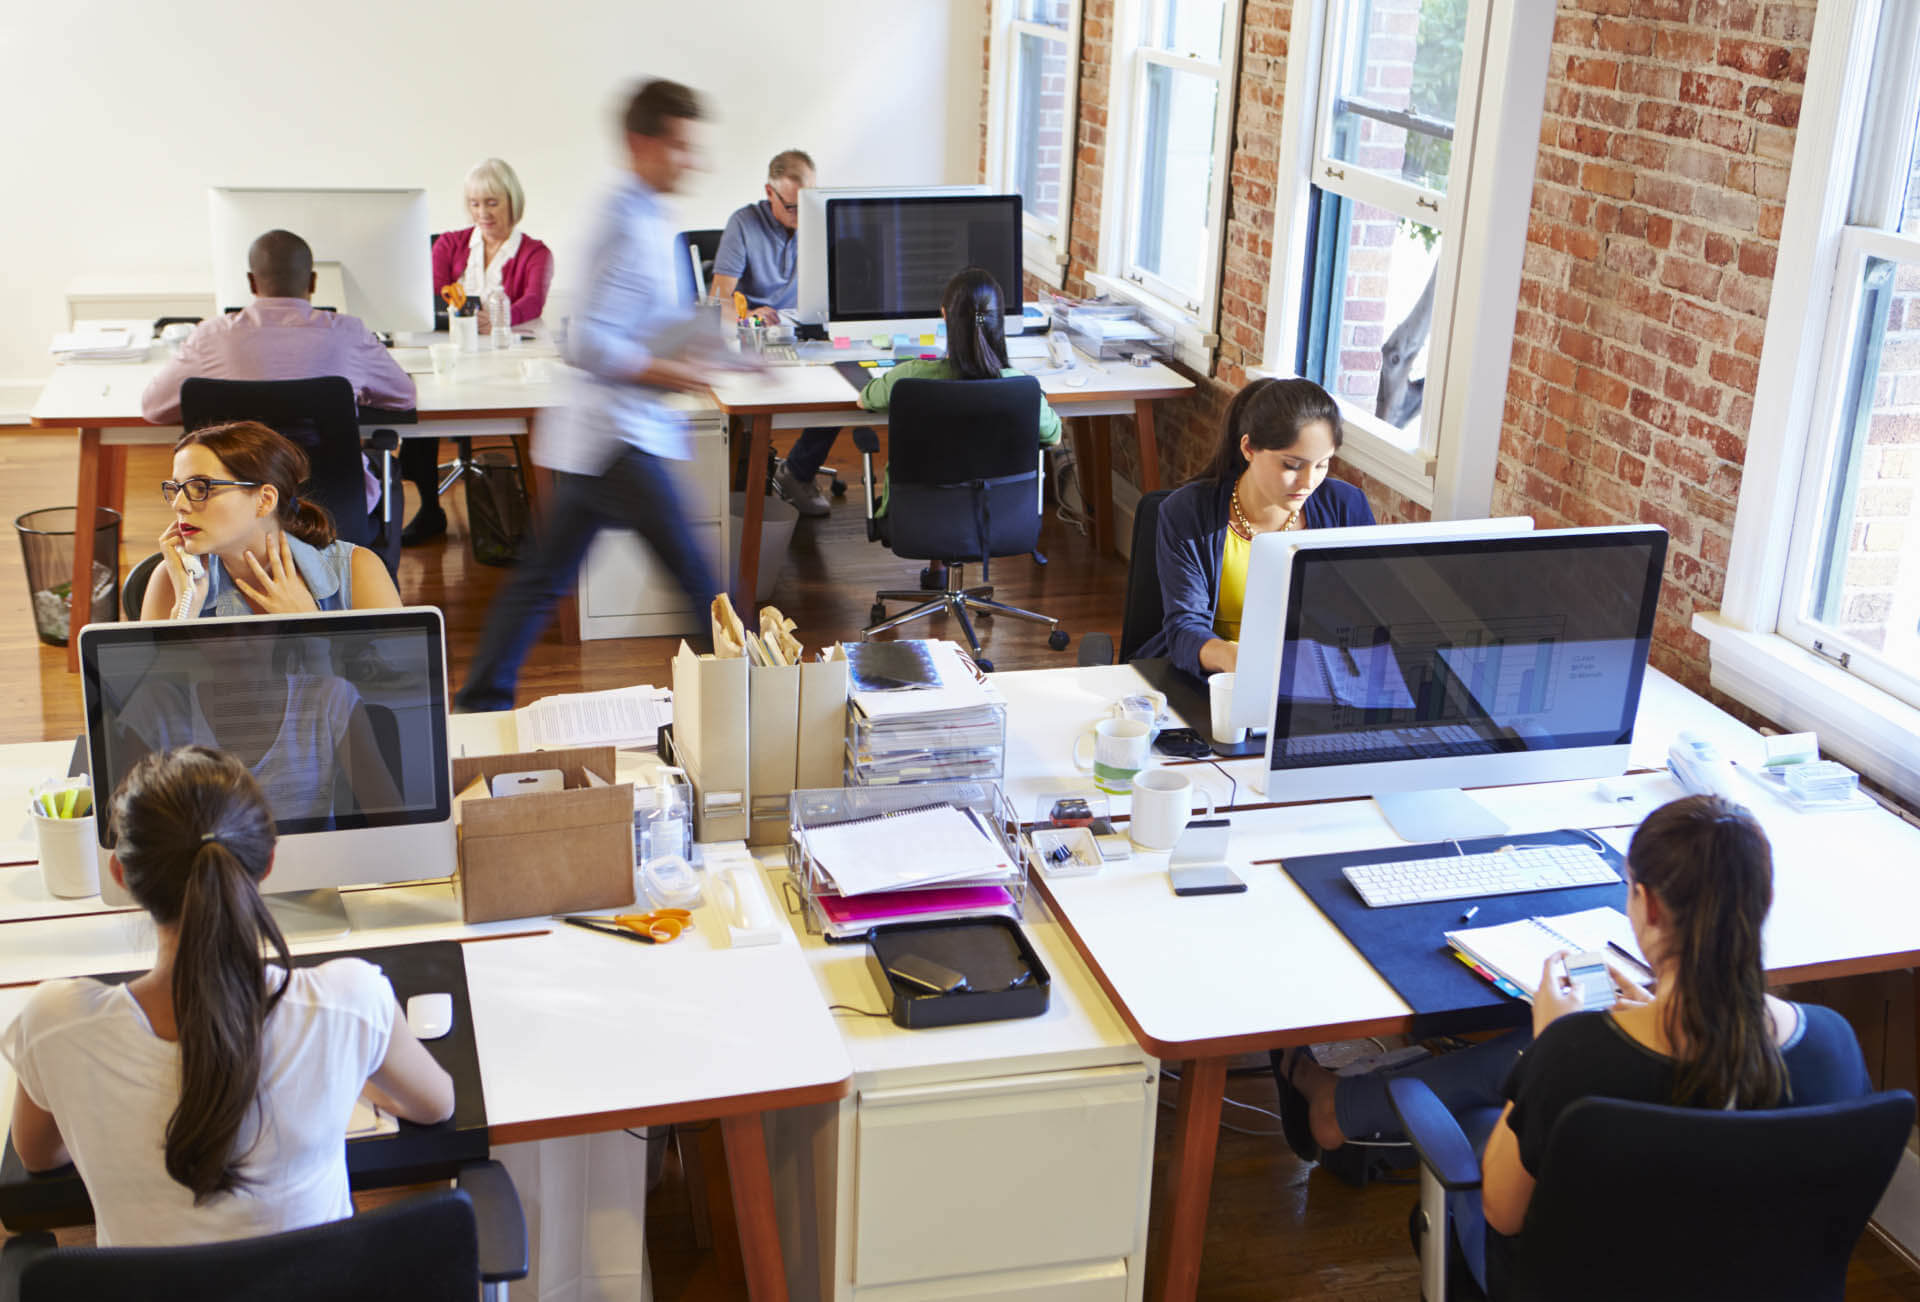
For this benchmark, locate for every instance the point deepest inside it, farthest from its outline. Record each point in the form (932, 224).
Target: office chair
(1725, 1206)
(322, 417)
(134, 590)
(1142, 615)
(696, 250)
(964, 485)
(436, 1247)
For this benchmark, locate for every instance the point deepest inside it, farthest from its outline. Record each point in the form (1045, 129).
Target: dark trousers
(810, 451)
(420, 466)
(636, 492)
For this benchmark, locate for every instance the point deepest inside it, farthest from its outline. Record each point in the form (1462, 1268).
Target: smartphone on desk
(1204, 879)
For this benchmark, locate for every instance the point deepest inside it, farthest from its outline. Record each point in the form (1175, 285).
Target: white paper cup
(536, 370)
(465, 331)
(69, 855)
(1220, 698)
(1162, 805)
(446, 360)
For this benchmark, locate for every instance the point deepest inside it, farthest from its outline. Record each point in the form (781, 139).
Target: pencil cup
(69, 855)
(1119, 750)
(465, 331)
(1162, 804)
(1220, 699)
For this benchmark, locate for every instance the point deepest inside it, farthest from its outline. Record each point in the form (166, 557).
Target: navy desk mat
(1407, 944)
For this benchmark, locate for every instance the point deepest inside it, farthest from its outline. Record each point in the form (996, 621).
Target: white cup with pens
(64, 828)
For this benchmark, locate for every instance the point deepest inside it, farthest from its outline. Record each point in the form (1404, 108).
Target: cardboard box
(545, 852)
(710, 741)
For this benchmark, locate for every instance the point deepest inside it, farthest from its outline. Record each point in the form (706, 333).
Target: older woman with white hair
(493, 253)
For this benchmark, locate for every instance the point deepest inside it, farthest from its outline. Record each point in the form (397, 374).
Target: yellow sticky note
(869, 363)
(928, 341)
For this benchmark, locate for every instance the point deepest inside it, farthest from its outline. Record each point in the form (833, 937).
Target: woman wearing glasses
(242, 541)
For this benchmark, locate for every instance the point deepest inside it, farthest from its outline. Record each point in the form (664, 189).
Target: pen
(1621, 950)
(1468, 915)
(622, 933)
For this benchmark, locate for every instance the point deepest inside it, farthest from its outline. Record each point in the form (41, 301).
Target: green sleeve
(879, 391)
(1049, 424)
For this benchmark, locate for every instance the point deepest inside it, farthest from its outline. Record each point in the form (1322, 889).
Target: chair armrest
(498, 1221)
(865, 439)
(16, 1254)
(1095, 649)
(1436, 1136)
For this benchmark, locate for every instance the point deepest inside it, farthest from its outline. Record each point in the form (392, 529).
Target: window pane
(1053, 13)
(1865, 579)
(1041, 152)
(1397, 86)
(1176, 176)
(1370, 309)
(1910, 210)
(1184, 27)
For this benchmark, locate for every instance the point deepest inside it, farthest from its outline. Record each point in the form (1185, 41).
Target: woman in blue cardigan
(1268, 474)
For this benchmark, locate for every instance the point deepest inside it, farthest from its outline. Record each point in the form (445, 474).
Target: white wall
(120, 113)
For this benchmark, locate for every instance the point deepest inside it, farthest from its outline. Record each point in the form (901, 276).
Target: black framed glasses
(776, 196)
(199, 487)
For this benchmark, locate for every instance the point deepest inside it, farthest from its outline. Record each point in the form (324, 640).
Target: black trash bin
(46, 545)
(497, 514)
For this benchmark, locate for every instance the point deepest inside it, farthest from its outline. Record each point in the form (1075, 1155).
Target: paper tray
(990, 952)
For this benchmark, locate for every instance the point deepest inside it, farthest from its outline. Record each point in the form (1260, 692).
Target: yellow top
(1234, 556)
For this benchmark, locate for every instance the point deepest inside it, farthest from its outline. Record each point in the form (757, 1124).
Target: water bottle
(500, 318)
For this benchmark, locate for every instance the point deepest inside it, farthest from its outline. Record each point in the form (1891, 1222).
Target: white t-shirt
(85, 1052)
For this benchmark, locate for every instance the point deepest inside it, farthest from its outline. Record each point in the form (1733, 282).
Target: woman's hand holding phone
(187, 572)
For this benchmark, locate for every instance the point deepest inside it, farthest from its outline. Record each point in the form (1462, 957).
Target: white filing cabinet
(624, 590)
(1007, 1160)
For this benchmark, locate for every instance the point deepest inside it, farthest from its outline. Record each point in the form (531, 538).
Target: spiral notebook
(1515, 952)
(911, 847)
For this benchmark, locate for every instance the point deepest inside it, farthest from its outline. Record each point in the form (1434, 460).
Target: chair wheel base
(933, 578)
(1058, 639)
(839, 488)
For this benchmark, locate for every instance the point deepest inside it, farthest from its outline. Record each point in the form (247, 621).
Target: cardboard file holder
(544, 852)
(710, 741)
(798, 718)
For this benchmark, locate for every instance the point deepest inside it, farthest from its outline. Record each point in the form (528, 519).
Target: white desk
(1266, 969)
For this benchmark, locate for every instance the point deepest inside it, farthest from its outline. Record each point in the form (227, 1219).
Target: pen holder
(464, 331)
(69, 855)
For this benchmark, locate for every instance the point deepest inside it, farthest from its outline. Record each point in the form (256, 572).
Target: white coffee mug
(69, 855)
(1118, 750)
(1162, 806)
(1220, 698)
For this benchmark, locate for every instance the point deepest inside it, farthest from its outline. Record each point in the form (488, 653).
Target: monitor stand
(308, 915)
(1445, 814)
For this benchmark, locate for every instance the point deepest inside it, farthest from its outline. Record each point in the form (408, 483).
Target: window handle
(1426, 203)
(1337, 173)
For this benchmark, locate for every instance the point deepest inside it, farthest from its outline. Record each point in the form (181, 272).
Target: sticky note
(902, 341)
(869, 363)
(842, 341)
(929, 357)
(928, 341)
(882, 341)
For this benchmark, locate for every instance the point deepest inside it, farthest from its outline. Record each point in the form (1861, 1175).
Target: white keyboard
(1469, 876)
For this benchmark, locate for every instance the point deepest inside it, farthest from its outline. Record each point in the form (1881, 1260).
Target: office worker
(492, 253)
(235, 495)
(208, 1098)
(976, 350)
(1268, 473)
(1699, 884)
(758, 256)
(609, 447)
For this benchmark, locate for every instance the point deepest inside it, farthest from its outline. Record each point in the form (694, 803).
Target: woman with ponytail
(263, 550)
(208, 1098)
(1268, 474)
(976, 350)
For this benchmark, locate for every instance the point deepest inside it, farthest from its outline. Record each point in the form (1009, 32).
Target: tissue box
(545, 852)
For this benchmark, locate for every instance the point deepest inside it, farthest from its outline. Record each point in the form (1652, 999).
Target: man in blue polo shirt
(758, 256)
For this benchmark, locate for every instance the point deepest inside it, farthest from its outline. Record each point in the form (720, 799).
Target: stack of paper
(101, 342)
(625, 717)
(914, 847)
(920, 713)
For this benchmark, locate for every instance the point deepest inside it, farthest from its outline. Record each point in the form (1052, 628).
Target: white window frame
(1483, 218)
(1190, 321)
(1045, 248)
(1759, 651)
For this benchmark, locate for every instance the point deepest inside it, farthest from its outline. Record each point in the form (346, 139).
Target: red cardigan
(525, 278)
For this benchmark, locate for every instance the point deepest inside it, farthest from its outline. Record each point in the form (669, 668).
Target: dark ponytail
(1709, 866)
(976, 325)
(1273, 412)
(257, 454)
(194, 835)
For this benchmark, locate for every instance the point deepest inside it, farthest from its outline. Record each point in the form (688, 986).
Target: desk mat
(412, 1155)
(1407, 944)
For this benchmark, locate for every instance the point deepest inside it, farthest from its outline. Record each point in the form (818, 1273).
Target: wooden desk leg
(539, 482)
(1203, 1085)
(746, 1141)
(756, 493)
(1100, 490)
(1149, 447)
(90, 492)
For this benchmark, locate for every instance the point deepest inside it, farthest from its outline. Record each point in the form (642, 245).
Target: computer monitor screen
(372, 244)
(891, 258)
(1462, 662)
(341, 718)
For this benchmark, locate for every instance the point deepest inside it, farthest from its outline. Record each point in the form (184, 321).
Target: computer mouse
(1076, 381)
(430, 1016)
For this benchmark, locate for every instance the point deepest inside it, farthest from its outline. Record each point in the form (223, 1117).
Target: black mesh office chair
(1664, 1204)
(322, 417)
(1142, 615)
(697, 250)
(963, 485)
(437, 1247)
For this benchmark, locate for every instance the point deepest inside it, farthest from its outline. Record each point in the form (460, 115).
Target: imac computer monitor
(1410, 670)
(371, 248)
(341, 717)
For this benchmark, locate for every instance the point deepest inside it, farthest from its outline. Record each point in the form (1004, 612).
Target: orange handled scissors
(654, 928)
(455, 295)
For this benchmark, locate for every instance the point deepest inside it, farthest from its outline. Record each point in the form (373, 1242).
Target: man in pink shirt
(279, 336)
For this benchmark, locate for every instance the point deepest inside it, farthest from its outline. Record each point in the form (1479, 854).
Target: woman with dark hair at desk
(208, 1098)
(1699, 884)
(1268, 474)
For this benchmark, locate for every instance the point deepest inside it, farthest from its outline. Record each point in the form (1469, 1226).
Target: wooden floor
(1278, 1229)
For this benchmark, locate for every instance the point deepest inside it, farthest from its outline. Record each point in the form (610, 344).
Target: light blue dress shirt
(628, 305)
(760, 253)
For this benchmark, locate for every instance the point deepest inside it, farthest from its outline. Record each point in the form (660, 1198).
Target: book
(1512, 954)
